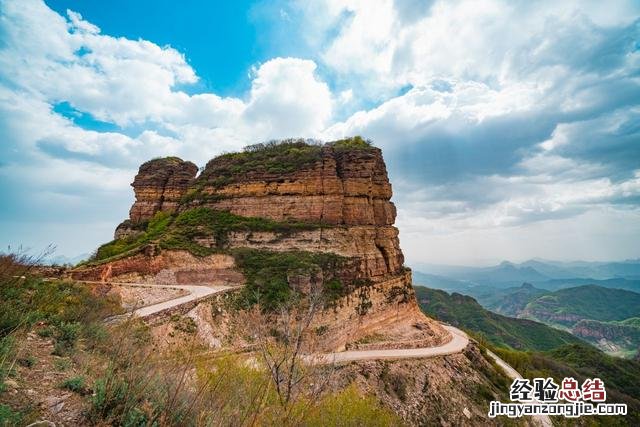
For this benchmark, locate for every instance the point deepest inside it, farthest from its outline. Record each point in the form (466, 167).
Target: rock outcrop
(158, 186)
(339, 191)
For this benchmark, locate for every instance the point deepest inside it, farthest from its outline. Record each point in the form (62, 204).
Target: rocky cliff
(325, 208)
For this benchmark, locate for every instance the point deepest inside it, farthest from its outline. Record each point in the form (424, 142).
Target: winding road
(539, 420)
(458, 343)
(195, 292)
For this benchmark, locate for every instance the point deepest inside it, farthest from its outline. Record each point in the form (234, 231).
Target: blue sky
(510, 129)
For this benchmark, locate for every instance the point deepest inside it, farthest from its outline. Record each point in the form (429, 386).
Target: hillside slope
(463, 311)
(568, 306)
(536, 350)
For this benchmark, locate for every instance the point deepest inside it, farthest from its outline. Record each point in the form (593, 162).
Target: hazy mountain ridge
(542, 273)
(541, 350)
(583, 305)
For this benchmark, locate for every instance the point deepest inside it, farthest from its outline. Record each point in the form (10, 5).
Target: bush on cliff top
(274, 157)
(352, 143)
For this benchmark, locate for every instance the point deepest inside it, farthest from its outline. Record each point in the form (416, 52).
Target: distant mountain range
(597, 301)
(551, 275)
(64, 260)
(535, 349)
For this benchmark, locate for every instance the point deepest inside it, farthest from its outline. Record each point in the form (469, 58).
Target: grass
(181, 232)
(75, 384)
(154, 229)
(269, 275)
(352, 143)
(274, 157)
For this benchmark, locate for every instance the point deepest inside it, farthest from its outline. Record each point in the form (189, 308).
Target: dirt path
(456, 345)
(194, 292)
(539, 420)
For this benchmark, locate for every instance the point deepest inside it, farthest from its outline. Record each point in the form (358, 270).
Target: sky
(511, 129)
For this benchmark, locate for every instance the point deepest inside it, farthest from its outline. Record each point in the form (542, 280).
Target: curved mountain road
(539, 420)
(195, 292)
(458, 343)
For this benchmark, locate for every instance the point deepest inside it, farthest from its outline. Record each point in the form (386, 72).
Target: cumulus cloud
(494, 116)
(50, 63)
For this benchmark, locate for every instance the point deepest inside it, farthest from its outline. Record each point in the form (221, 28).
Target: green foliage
(586, 302)
(9, 417)
(205, 222)
(184, 324)
(268, 274)
(352, 143)
(75, 384)
(153, 230)
(7, 355)
(464, 311)
(548, 352)
(65, 308)
(66, 337)
(350, 408)
(274, 157)
(58, 303)
(181, 231)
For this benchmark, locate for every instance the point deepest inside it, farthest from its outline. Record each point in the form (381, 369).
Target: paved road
(540, 420)
(456, 345)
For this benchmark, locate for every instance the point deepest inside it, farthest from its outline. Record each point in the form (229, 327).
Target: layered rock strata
(158, 186)
(343, 195)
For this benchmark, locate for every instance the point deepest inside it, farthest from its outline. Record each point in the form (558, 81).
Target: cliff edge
(277, 220)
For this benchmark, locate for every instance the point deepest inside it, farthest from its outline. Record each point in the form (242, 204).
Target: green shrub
(62, 364)
(274, 157)
(66, 338)
(350, 408)
(268, 273)
(352, 143)
(75, 384)
(9, 417)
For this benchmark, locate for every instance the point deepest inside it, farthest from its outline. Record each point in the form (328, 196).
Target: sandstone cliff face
(343, 194)
(158, 186)
(339, 186)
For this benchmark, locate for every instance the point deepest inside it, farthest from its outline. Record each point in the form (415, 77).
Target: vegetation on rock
(272, 276)
(181, 231)
(274, 157)
(537, 350)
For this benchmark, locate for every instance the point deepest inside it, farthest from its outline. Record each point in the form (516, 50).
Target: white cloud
(495, 117)
(46, 60)
(288, 99)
